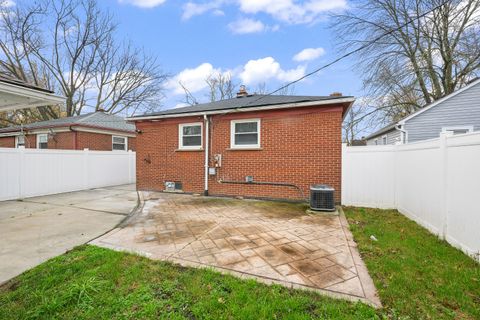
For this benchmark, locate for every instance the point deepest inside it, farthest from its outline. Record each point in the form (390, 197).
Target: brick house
(96, 131)
(252, 146)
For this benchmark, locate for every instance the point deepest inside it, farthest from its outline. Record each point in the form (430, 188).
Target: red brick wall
(299, 146)
(70, 141)
(7, 142)
(61, 140)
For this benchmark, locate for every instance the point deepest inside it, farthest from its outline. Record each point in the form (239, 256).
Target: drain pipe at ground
(205, 119)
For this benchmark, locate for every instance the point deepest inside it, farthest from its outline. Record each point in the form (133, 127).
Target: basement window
(19, 141)
(119, 143)
(190, 136)
(42, 141)
(245, 134)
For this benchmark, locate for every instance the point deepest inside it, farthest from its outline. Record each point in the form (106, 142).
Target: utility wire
(346, 55)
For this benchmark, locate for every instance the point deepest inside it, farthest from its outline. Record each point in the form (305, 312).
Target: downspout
(75, 144)
(206, 121)
(403, 135)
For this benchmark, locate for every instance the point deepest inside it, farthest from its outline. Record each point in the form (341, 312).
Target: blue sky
(257, 41)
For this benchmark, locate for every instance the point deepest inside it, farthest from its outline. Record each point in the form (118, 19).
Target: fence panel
(35, 172)
(434, 182)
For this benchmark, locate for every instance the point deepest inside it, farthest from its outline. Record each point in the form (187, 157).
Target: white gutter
(246, 109)
(205, 118)
(403, 133)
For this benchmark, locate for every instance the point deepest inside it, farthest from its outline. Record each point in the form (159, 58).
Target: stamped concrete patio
(272, 242)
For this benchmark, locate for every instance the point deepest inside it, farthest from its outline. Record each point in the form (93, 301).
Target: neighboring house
(259, 146)
(94, 131)
(457, 113)
(15, 94)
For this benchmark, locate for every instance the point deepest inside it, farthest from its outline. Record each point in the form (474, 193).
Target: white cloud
(192, 79)
(291, 11)
(246, 25)
(143, 3)
(7, 3)
(191, 9)
(309, 54)
(262, 70)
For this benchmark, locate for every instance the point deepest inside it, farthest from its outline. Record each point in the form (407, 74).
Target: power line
(346, 55)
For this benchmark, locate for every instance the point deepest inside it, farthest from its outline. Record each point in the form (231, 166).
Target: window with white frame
(19, 141)
(245, 134)
(384, 140)
(190, 136)
(458, 130)
(376, 141)
(119, 143)
(42, 141)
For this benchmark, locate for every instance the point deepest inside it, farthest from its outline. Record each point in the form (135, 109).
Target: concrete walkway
(37, 229)
(272, 242)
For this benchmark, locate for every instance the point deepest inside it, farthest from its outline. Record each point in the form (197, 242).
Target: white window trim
(244, 146)
(16, 140)
(376, 141)
(126, 143)
(453, 128)
(386, 139)
(38, 139)
(180, 136)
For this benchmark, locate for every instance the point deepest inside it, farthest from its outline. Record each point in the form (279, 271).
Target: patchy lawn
(95, 283)
(417, 275)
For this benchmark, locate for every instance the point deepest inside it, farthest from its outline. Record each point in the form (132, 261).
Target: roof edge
(349, 100)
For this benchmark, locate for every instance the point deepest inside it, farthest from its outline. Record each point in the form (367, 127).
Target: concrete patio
(36, 229)
(272, 242)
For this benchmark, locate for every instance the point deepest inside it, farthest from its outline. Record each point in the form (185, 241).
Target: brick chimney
(336, 94)
(242, 92)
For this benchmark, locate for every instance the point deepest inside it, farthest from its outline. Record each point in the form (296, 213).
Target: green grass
(417, 275)
(95, 283)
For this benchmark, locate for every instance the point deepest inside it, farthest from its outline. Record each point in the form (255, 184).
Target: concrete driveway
(37, 229)
(272, 242)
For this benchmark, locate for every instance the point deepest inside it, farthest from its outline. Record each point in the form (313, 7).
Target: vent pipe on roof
(242, 92)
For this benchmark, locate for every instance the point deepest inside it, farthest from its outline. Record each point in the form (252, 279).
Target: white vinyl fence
(434, 182)
(35, 172)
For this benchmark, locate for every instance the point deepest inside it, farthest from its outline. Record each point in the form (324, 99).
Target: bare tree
(416, 64)
(262, 89)
(220, 87)
(69, 46)
(360, 120)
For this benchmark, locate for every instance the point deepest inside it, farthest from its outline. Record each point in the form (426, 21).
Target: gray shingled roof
(382, 131)
(245, 102)
(98, 119)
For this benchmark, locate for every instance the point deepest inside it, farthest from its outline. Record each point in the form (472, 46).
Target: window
(19, 141)
(458, 130)
(376, 141)
(190, 136)
(245, 134)
(42, 141)
(119, 143)
(384, 140)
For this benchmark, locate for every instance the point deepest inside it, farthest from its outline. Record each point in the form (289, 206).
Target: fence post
(86, 178)
(22, 175)
(444, 172)
(130, 153)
